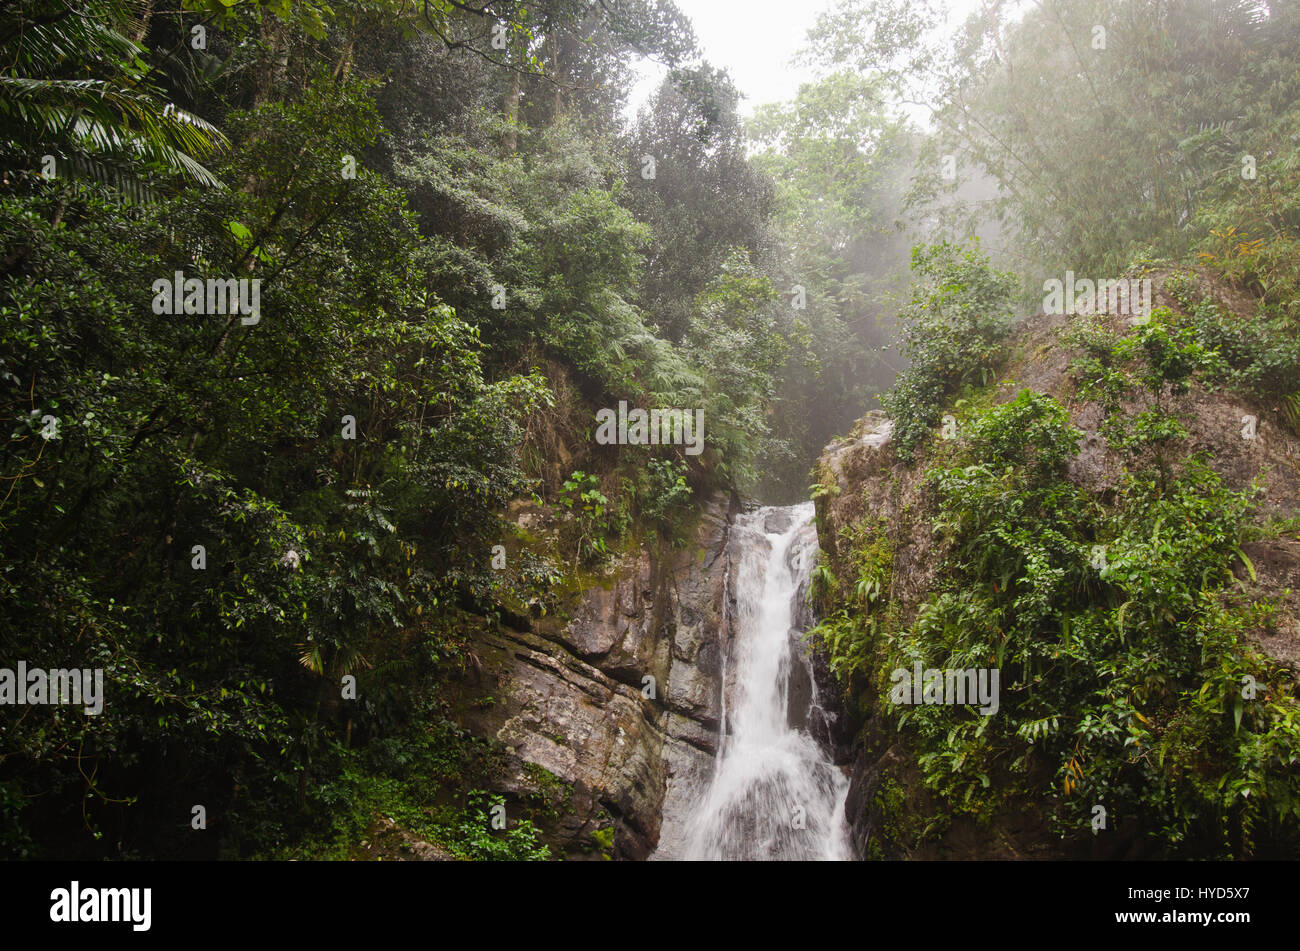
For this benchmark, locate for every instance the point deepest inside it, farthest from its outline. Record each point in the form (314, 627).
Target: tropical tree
(75, 94)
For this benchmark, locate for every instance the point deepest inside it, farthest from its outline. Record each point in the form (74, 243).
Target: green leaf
(241, 233)
(1246, 561)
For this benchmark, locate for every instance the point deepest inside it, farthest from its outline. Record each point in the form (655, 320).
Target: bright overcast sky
(754, 41)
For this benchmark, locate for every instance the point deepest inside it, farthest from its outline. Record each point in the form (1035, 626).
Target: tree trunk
(274, 64)
(146, 14)
(557, 73)
(510, 142)
(344, 67)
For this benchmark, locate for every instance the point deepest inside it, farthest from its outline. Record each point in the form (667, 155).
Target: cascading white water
(774, 793)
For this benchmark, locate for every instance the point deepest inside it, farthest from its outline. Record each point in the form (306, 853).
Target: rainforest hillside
(391, 391)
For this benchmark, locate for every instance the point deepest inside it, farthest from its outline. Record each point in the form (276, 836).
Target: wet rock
(799, 686)
(778, 521)
(863, 783)
(574, 699)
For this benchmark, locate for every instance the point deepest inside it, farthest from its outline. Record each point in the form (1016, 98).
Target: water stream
(774, 792)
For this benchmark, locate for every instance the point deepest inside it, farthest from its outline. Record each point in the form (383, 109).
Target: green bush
(951, 332)
(664, 499)
(1260, 353)
(478, 840)
(1120, 637)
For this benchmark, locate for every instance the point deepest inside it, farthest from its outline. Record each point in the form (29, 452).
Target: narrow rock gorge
(629, 701)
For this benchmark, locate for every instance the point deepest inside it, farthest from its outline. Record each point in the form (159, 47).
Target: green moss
(604, 841)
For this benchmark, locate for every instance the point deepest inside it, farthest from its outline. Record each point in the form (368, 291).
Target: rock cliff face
(619, 701)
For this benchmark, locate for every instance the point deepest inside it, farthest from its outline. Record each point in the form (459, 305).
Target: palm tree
(74, 86)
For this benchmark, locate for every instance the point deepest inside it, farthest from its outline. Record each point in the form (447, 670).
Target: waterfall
(774, 792)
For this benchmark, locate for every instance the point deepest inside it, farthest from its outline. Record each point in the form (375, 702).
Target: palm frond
(107, 126)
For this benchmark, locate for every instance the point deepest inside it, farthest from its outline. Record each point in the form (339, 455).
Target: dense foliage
(1120, 685)
(1107, 137)
(274, 525)
(273, 528)
(1130, 673)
